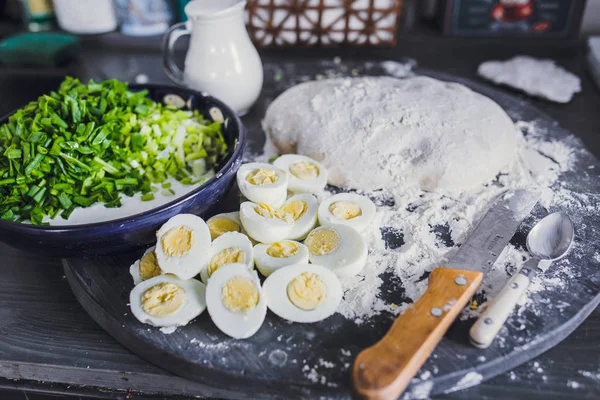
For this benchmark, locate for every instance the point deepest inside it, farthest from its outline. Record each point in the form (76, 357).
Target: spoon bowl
(552, 237)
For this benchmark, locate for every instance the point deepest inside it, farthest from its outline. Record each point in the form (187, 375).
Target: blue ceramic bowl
(124, 234)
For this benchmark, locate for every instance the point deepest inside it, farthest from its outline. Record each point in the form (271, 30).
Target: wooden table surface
(49, 344)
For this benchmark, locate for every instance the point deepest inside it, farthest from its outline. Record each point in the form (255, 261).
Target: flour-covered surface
(541, 78)
(413, 232)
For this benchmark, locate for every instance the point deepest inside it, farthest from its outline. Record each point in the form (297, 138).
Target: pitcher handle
(171, 69)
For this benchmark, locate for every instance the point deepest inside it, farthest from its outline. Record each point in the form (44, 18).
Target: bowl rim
(237, 153)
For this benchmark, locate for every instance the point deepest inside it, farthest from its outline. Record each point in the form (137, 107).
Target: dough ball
(382, 132)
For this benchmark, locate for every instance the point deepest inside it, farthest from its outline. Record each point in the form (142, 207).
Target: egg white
(360, 223)
(190, 264)
(261, 229)
(267, 264)
(308, 221)
(225, 241)
(134, 270)
(273, 194)
(296, 184)
(238, 325)
(275, 286)
(349, 258)
(195, 303)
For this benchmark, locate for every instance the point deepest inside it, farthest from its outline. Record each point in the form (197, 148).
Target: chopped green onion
(65, 202)
(147, 197)
(92, 142)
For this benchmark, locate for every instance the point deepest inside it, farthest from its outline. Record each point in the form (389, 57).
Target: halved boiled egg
(349, 209)
(183, 245)
(305, 174)
(303, 208)
(303, 292)
(264, 223)
(229, 248)
(273, 256)
(338, 247)
(225, 222)
(235, 301)
(263, 183)
(166, 300)
(146, 267)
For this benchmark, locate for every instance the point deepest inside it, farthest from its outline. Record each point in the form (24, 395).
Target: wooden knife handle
(385, 369)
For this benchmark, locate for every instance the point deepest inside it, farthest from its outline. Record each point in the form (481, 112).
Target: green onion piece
(39, 196)
(106, 166)
(65, 202)
(34, 164)
(147, 197)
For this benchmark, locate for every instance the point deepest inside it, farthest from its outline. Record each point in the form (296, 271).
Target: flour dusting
(594, 376)
(470, 379)
(415, 231)
(536, 77)
(573, 384)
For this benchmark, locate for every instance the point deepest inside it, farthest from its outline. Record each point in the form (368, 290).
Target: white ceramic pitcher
(221, 59)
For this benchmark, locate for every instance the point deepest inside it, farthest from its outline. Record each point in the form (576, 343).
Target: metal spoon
(549, 240)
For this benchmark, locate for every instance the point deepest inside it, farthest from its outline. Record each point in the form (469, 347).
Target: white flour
(573, 384)
(593, 376)
(412, 215)
(542, 78)
(374, 133)
(470, 379)
(404, 242)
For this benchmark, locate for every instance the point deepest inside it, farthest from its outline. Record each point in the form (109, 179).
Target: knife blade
(493, 232)
(385, 369)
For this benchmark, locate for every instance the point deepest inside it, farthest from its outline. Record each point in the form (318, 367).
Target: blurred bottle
(38, 15)
(86, 16)
(144, 17)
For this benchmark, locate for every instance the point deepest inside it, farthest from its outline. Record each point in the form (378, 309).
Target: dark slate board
(273, 363)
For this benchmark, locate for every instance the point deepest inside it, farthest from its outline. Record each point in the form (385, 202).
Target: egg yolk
(304, 170)
(149, 267)
(262, 176)
(296, 208)
(323, 241)
(306, 291)
(266, 211)
(226, 256)
(163, 299)
(220, 225)
(282, 249)
(239, 294)
(345, 209)
(178, 241)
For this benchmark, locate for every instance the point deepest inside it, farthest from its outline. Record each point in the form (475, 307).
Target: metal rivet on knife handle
(436, 312)
(460, 281)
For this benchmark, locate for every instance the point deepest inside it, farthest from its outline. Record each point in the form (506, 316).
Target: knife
(385, 369)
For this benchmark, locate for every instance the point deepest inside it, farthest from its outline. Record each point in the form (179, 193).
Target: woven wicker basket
(281, 23)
